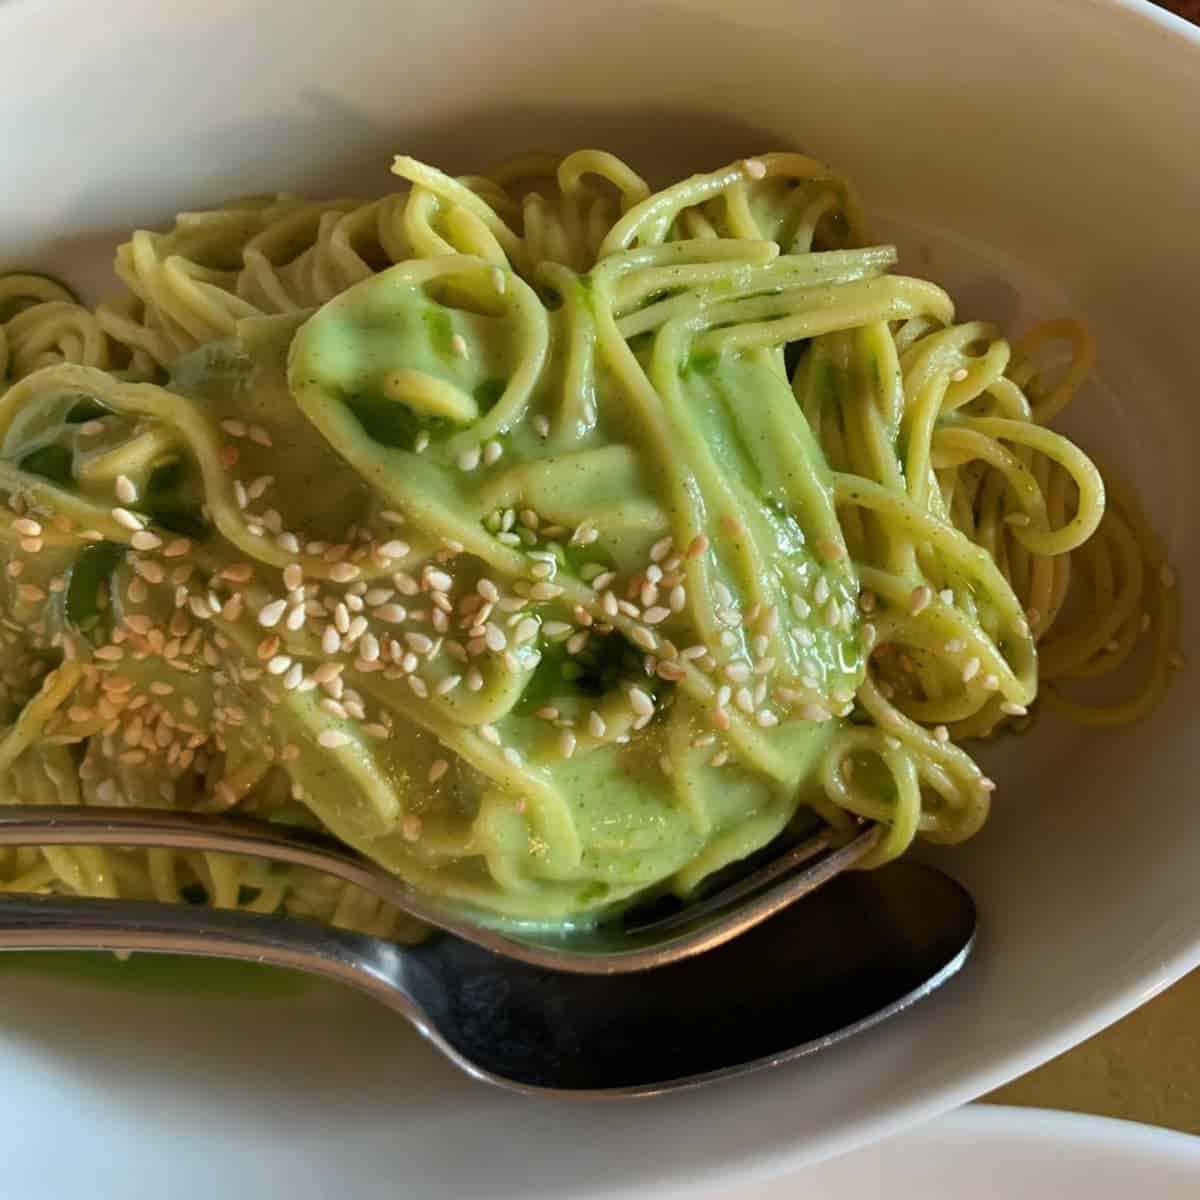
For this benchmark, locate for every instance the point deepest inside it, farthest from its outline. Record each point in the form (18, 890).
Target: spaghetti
(550, 540)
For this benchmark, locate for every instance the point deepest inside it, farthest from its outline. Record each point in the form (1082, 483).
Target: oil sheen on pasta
(547, 539)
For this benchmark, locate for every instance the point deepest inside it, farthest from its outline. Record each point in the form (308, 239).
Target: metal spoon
(861, 948)
(634, 940)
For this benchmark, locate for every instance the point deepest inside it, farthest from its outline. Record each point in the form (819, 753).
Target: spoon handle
(50, 922)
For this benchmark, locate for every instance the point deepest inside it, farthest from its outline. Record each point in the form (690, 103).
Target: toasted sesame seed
(145, 540)
(920, 599)
(110, 653)
(258, 435)
(830, 551)
(127, 520)
(656, 615)
(395, 549)
(270, 614)
(343, 572)
(27, 527)
(661, 549)
(332, 739)
(30, 593)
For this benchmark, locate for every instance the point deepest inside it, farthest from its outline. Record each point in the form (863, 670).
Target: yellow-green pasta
(550, 539)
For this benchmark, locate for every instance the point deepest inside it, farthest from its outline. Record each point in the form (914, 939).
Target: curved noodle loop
(549, 539)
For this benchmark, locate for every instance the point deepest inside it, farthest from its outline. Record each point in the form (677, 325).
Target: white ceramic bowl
(1039, 157)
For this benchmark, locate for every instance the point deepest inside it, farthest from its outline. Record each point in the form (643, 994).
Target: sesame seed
(438, 581)
(280, 664)
(145, 540)
(126, 519)
(545, 591)
(830, 551)
(288, 541)
(358, 626)
(235, 429)
(640, 702)
(919, 599)
(468, 460)
(240, 495)
(1176, 661)
(331, 641)
(492, 452)
(1033, 615)
(334, 708)
(395, 549)
(458, 345)
(1166, 576)
(270, 614)
(1144, 623)
(1019, 519)
(343, 572)
(941, 733)
(821, 590)
(566, 743)
(332, 739)
(661, 549)
(991, 683)
(955, 646)
(1012, 709)
(755, 168)
(368, 648)
(294, 677)
(986, 785)
(801, 609)
(31, 594)
(512, 756)
(946, 595)
(832, 615)
(27, 527)
(238, 573)
(489, 733)
(959, 375)
(418, 687)
(474, 680)
(177, 548)
(438, 769)
(258, 435)
(110, 653)
(970, 669)
(814, 712)
(494, 638)
(541, 425)
(656, 615)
